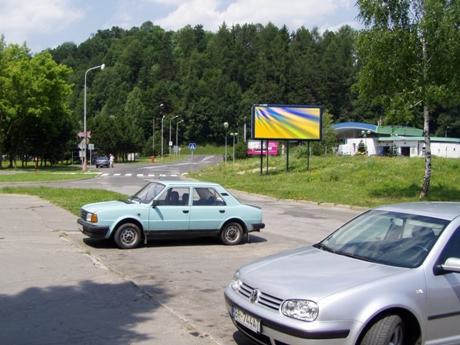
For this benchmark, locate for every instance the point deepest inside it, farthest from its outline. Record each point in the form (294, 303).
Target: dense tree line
(206, 79)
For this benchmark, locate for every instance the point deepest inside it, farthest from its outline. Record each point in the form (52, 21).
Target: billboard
(254, 148)
(286, 122)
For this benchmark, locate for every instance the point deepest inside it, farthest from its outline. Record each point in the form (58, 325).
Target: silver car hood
(312, 273)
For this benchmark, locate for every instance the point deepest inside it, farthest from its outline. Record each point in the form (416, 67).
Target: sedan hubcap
(128, 236)
(232, 233)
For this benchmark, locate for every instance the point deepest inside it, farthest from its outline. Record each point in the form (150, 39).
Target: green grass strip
(69, 199)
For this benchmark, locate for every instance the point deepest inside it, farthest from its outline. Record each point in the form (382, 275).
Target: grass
(69, 199)
(360, 181)
(59, 173)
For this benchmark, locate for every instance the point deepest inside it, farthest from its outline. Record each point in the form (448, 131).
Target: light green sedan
(171, 209)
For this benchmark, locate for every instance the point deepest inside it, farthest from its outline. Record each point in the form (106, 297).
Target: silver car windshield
(148, 193)
(389, 238)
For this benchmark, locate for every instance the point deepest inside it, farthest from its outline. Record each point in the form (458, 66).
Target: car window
(203, 196)
(175, 196)
(391, 238)
(148, 193)
(452, 248)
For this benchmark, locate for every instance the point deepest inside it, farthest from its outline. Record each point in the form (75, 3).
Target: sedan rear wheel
(127, 236)
(387, 331)
(232, 233)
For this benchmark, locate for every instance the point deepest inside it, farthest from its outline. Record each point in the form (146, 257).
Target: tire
(232, 234)
(127, 236)
(387, 331)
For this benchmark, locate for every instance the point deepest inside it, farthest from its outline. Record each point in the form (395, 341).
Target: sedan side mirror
(155, 203)
(451, 265)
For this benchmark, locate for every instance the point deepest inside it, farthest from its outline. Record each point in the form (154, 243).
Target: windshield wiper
(324, 247)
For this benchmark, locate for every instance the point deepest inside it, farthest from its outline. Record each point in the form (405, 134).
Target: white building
(383, 140)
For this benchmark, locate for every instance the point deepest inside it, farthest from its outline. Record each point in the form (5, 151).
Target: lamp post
(162, 139)
(153, 130)
(225, 127)
(170, 142)
(233, 134)
(85, 163)
(177, 135)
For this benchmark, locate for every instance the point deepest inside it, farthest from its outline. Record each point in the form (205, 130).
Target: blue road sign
(192, 146)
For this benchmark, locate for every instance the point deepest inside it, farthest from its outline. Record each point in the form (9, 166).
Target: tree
(410, 57)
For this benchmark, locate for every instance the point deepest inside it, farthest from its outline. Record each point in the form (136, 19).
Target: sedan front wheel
(127, 236)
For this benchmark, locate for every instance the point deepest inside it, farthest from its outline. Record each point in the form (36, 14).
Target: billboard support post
(261, 155)
(308, 156)
(287, 155)
(266, 141)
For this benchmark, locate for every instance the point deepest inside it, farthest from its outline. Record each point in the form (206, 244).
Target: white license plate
(246, 320)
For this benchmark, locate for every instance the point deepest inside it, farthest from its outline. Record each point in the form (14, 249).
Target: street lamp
(226, 127)
(170, 142)
(153, 130)
(234, 134)
(162, 139)
(85, 163)
(177, 135)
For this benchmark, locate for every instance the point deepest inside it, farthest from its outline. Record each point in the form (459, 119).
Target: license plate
(246, 320)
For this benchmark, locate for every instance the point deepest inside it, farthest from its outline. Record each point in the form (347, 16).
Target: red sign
(82, 134)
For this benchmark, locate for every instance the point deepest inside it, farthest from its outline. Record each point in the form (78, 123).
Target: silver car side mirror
(451, 265)
(155, 203)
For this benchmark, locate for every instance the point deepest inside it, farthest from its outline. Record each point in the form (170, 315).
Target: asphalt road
(187, 278)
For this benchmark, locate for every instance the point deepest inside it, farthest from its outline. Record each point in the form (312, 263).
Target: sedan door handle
(222, 211)
(185, 211)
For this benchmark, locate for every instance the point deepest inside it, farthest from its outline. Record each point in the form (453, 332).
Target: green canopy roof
(399, 131)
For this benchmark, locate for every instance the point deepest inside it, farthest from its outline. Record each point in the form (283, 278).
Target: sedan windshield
(148, 193)
(391, 238)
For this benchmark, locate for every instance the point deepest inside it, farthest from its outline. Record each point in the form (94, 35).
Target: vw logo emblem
(254, 296)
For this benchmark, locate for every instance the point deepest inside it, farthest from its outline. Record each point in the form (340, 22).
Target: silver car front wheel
(387, 331)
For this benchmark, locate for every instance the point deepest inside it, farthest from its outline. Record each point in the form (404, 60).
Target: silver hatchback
(390, 276)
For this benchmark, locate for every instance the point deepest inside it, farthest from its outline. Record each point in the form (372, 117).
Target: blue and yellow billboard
(286, 122)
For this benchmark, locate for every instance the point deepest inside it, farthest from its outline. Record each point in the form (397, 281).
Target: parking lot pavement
(53, 291)
(62, 288)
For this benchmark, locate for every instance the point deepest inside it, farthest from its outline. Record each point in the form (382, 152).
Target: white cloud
(19, 19)
(293, 13)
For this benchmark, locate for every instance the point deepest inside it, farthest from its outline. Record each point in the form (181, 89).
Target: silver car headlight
(300, 309)
(236, 282)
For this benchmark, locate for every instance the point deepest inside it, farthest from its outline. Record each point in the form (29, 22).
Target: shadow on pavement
(163, 242)
(87, 313)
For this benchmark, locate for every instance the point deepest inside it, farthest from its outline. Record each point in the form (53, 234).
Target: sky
(45, 24)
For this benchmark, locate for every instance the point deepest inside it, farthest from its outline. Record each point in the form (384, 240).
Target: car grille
(264, 299)
(83, 214)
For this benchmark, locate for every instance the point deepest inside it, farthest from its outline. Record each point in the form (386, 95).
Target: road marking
(174, 175)
(128, 174)
(162, 175)
(151, 175)
(140, 175)
(116, 174)
(105, 174)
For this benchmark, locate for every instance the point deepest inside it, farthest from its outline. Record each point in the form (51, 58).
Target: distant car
(390, 276)
(102, 161)
(165, 209)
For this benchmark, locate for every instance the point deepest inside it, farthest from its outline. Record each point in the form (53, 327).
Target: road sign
(91, 147)
(192, 146)
(170, 143)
